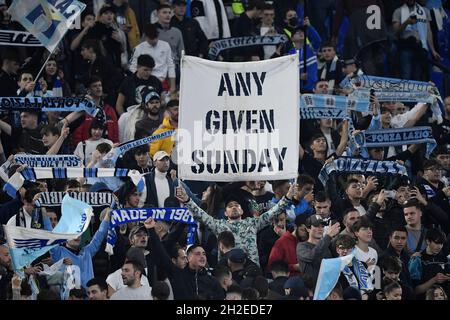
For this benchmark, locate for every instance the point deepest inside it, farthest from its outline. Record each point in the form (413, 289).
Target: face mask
(293, 21)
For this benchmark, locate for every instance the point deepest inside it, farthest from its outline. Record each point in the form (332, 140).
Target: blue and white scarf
(323, 106)
(94, 199)
(55, 161)
(354, 165)
(230, 43)
(397, 137)
(110, 158)
(124, 216)
(16, 181)
(49, 104)
(391, 84)
(18, 38)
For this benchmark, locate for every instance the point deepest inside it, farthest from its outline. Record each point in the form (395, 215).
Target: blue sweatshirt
(311, 67)
(83, 260)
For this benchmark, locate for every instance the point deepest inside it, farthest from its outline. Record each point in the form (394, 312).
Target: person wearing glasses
(435, 192)
(353, 274)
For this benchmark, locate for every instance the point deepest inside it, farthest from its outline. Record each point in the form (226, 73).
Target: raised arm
(197, 212)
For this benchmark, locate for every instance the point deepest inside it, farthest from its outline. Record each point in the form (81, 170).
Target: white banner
(238, 121)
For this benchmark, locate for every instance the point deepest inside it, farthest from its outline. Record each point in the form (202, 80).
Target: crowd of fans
(257, 239)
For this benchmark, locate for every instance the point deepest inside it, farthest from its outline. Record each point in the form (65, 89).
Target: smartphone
(372, 92)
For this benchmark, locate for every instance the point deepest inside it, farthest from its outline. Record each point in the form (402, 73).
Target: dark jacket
(266, 239)
(152, 194)
(195, 41)
(310, 256)
(436, 197)
(404, 257)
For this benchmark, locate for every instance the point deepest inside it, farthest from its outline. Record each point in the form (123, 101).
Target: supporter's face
(153, 106)
(75, 243)
(5, 258)
(129, 275)
(321, 87)
(25, 78)
(181, 260)
(439, 294)
(152, 42)
(364, 234)
(328, 53)
(316, 232)
(49, 139)
(133, 199)
(164, 15)
(107, 17)
(233, 210)
(89, 19)
(377, 154)
(260, 185)
(298, 36)
(395, 294)
(447, 105)
(351, 218)
(323, 208)
(434, 247)
(290, 16)
(86, 53)
(6, 15)
(142, 159)
(386, 118)
(173, 112)
(144, 72)
(197, 258)
(412, 215)
(398, 240)
(410, 2)
(444, 160)
(392, 275)
(53, 218)
(96, 89)
(302, 233)
(96, 133)
(251, 185)
(12, 66)
(350, 68)
(51, 67)
(179, 9)
(95, 293)
(433, 174)
(140, 239)
(268, 17)
(354, 190)
(163, 164)
(400, 109)
(27, 120)
(402, 194)
(319, 145)
(342, 251)
(281, 221)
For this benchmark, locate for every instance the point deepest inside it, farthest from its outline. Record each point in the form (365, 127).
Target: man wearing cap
(311, 252)
(331, 67)
(244, 230)
(159, 184)
(145, 127)
(129, 90)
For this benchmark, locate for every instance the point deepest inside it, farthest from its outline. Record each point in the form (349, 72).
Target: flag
(329, 272)
(27, 244)
(47, 20)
